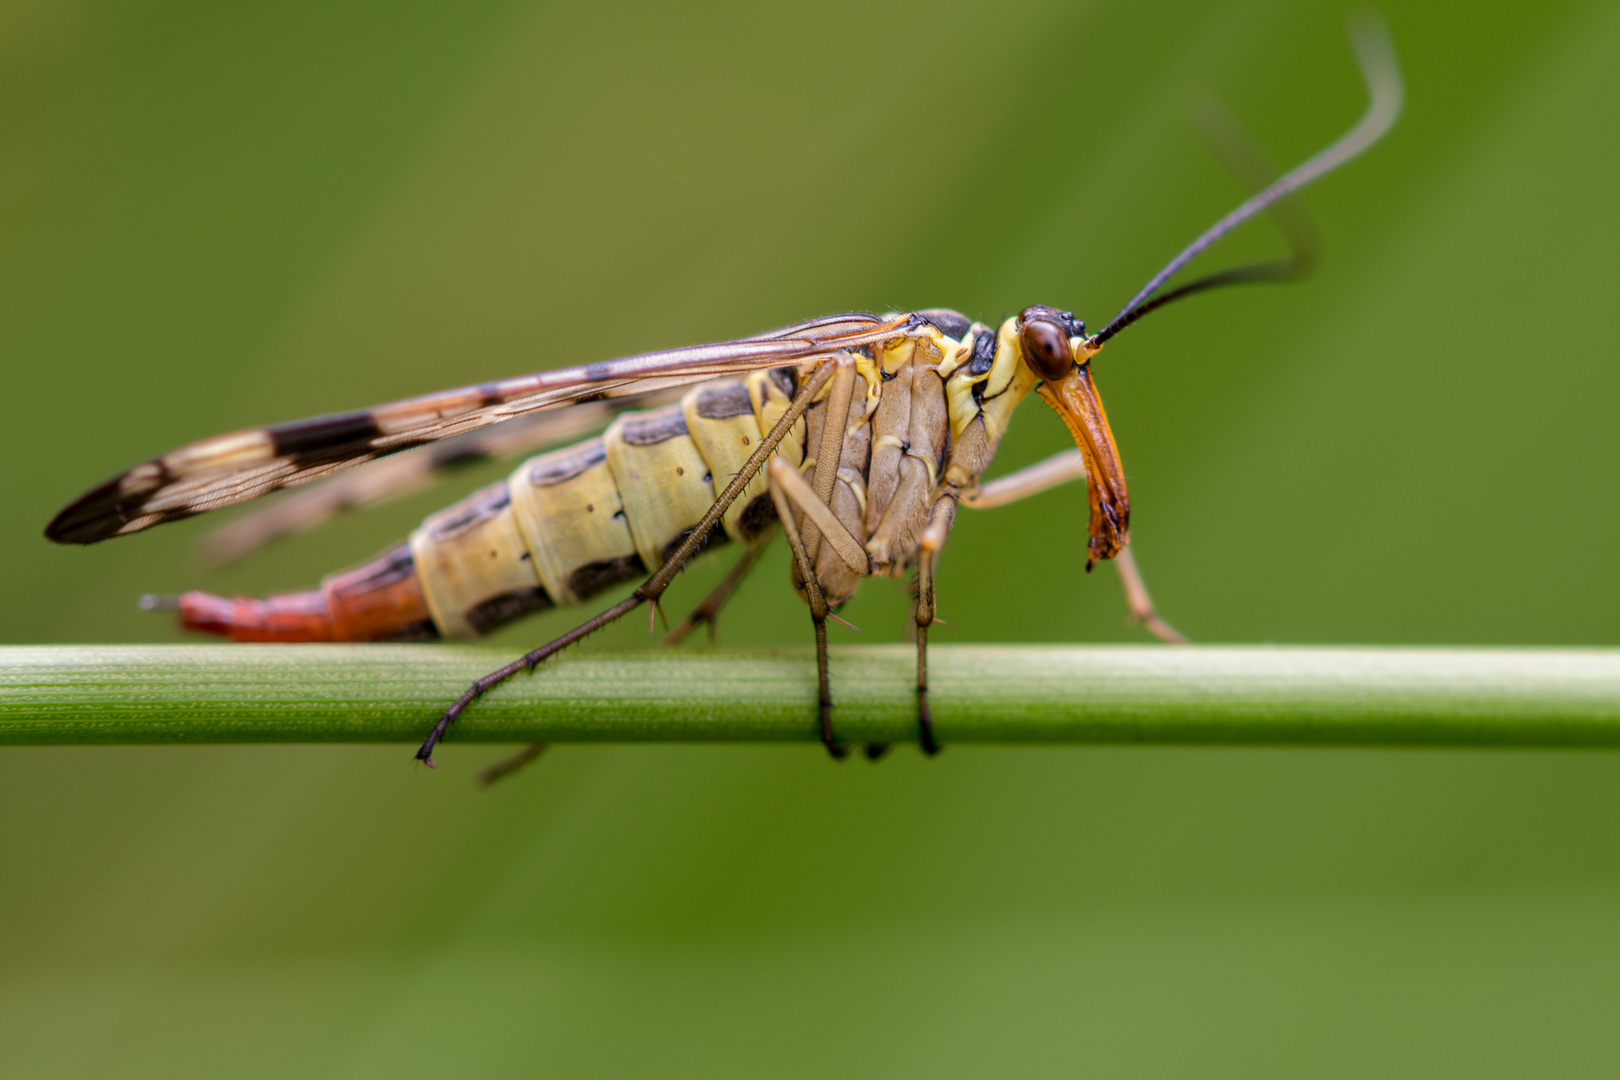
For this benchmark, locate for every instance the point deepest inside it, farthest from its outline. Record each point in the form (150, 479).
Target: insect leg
(816, 512)
(818, 614)
(1061, 469)
(653, 587)
(1031, 480)
(709, 610)
(933, 538)
(829, 455)
(509, 765)
(1141, 604)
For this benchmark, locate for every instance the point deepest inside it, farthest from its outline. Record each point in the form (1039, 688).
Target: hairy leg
(653, 588)
(709, 610)
(706, 612)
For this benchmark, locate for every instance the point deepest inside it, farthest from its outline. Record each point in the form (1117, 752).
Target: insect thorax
(926, 416)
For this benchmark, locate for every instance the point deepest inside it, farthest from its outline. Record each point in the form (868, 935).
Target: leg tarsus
(925, 715)
(925, 725)
(527, 662)
(933, 539)
(424, 753)
(1140, 603)
(837, 749)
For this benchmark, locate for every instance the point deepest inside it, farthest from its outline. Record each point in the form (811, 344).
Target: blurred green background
(215, 216)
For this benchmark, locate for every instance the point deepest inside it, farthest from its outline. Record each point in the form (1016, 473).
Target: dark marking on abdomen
(502, 609)
(423, 630)
(390, 568)
(571, 464)
(650, 429)
(592, 578)
(756, 517)
(724, 401)
(472, 511)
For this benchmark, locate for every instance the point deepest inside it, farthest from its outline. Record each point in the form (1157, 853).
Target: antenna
(1375, 54)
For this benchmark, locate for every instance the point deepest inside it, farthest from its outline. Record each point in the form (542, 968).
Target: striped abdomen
(561, 528)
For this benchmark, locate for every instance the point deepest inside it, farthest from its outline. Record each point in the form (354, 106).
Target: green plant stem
(981, 694)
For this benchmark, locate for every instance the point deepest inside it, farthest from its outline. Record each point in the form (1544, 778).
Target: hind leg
(650, 590)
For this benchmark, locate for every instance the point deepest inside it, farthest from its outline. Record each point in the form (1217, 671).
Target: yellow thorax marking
(1011, 380)
(1007, 383)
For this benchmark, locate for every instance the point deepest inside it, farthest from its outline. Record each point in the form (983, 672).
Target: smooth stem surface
(982, 693)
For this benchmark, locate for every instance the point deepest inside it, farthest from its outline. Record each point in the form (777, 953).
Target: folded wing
(243, 465)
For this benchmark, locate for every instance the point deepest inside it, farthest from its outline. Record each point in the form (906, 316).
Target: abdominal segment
(563, 527)
(569, 524)
(378, 601)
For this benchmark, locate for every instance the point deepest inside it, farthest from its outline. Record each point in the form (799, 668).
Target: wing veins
(243, 465)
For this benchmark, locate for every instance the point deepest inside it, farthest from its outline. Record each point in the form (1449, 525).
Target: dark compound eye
(1046, 348)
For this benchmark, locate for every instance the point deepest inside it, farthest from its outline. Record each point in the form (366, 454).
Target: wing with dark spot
(246, 464)
(401, 474)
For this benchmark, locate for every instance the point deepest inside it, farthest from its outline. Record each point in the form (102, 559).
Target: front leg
(1143, 613)
(1055, 471)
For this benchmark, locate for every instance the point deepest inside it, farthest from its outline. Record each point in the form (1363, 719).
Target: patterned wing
(400, 474)
(243, 465)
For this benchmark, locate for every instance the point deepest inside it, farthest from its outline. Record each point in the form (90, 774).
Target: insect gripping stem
(570, 524)
(654, 586)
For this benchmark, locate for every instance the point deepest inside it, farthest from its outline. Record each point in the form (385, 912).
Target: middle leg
(817, 522)
(818, 617)
(709, 610)
(932, 540)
